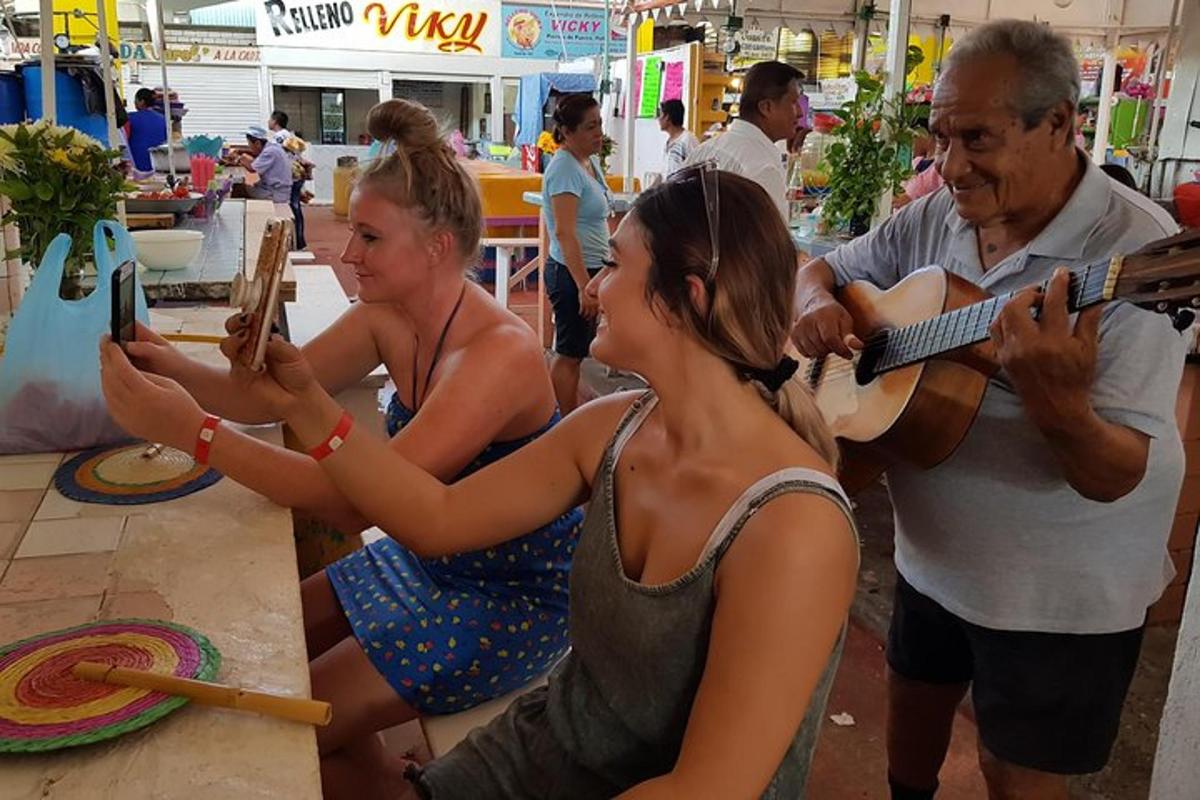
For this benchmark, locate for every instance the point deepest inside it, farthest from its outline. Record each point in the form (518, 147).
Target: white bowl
(171, 249)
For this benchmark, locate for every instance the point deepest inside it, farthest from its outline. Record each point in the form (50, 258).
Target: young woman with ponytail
(717, 560)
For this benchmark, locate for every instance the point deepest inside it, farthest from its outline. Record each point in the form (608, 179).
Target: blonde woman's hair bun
(410, 125)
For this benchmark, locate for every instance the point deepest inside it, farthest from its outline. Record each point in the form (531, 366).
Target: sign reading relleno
(464, 27)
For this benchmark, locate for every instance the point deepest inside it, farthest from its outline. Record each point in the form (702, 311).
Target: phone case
(259, 296)
(118, 275)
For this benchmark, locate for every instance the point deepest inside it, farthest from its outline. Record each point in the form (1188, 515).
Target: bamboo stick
(299, 709)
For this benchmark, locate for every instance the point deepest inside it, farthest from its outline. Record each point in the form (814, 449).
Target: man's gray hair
(1049, 73)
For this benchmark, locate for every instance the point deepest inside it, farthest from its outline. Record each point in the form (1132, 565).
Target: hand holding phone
(259, 296)
(124, 294)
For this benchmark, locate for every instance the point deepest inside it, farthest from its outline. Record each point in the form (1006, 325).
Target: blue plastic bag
(50, 398)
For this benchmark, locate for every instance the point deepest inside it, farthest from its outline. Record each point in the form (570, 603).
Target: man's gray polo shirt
(995, 534)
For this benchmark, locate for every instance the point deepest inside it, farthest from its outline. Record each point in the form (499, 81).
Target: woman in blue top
(576, 204)
(390, 634)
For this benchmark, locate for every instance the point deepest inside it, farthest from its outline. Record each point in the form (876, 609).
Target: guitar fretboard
(969, 325)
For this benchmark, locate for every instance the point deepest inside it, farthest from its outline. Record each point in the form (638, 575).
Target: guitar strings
(880, 340)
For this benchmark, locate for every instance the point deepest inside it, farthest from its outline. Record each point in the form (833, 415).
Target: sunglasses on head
(706, 173)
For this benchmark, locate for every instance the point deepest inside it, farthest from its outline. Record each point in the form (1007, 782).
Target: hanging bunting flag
(699, 4)
(654, 12)
(682, 9)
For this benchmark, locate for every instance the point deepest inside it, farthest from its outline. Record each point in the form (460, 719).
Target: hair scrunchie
(776, 377)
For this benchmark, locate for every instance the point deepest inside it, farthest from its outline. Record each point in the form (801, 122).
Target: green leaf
(16, 190)
(44, 191)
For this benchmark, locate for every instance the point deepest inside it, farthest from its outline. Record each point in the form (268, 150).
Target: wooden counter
(222, 561)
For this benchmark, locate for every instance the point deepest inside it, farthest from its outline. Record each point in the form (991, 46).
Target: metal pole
(1104, 115)
(496, 122)
(631, 103)
(1152, 142)
(157, 22)
(46, 30)
(897, 56)
(110, 112)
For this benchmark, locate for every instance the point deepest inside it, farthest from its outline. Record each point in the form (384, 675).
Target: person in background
(768, 110)
(576, 205)
(680, 141)
(144, 129)
(926, 179)
(803, 125)
(1120, 175)
(277, 124)
(1027, 560)
(274, 168)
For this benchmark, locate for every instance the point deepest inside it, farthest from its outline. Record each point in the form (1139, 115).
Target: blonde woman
(717, 561)
(391, 634)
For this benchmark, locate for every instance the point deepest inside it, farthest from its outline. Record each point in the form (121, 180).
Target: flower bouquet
(58, 181)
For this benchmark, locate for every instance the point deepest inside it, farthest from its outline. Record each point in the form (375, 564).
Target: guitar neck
(970, 325)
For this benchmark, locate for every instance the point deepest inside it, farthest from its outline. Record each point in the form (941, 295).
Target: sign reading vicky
(399, 26)
(556, 32)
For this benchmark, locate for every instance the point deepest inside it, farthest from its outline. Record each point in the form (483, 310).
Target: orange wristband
(204, 439)
(335, 439)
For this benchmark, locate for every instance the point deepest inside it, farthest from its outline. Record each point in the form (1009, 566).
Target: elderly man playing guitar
(1029, 555)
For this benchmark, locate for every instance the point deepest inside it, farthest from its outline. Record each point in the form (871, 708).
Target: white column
(110, 112)
(1155, 115)
(503, 267)
(897, 53)
(385, 86)
(496, 121)
(1104, 115)
(862, 31)
(154, 11)
(1176, 769)
(631, 105)
(46, 15)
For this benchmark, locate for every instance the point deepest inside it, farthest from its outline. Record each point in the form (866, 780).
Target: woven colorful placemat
(43, 706)
(125, 475)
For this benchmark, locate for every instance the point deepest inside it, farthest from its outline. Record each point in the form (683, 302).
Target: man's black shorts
(1046, 701)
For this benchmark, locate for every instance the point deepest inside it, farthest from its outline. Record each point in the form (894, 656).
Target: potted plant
(868, 154)
(58, 181)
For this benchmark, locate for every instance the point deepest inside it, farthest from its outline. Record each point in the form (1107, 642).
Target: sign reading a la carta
(466, 27)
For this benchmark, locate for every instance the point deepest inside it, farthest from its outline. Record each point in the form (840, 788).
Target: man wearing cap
(767, 114)
(273, 167)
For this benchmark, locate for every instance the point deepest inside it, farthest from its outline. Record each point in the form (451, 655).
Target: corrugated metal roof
(237, 14)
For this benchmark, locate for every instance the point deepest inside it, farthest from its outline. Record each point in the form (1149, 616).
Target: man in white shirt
(278, 126)
(768, 112)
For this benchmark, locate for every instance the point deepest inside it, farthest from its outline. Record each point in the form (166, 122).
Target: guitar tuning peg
(1182, 319)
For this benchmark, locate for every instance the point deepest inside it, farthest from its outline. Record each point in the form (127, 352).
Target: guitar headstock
(1164, 276)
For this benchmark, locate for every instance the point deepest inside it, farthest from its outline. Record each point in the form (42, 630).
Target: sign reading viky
(462, 27)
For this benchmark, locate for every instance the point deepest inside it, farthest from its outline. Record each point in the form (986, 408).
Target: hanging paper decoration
(651, 87)
(673, 81)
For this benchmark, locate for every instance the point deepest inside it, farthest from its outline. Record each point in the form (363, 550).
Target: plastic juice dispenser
(344, 176)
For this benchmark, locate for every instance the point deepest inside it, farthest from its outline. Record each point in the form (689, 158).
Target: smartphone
(261, 296)
(124, 291)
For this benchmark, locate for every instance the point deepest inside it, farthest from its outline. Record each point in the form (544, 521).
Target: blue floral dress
(450, 633)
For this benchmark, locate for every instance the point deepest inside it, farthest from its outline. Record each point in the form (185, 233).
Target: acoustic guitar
(914, 389)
